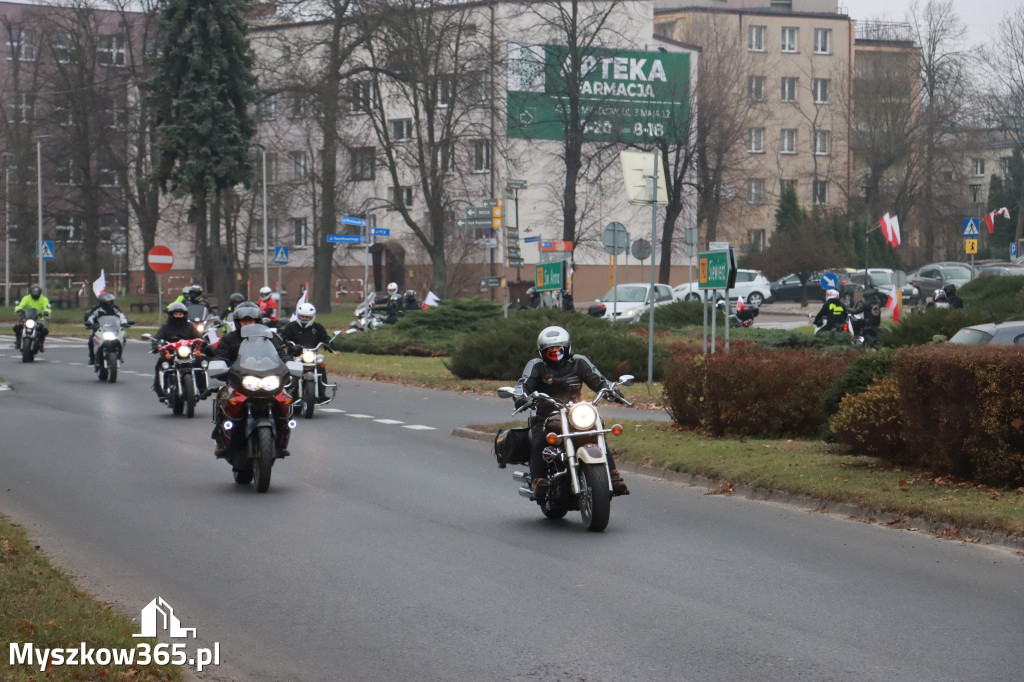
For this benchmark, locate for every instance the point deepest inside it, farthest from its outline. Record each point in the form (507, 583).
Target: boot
(618, 485)
(17, 341)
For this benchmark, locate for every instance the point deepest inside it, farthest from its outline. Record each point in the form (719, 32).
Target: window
(446, 157)
(822, 40)
(947, 176)
(62, 45)
(787, 141)
(362, 97)
(63, 114)
(111, 116)
(21, 44)
(401, 129)
(400, 196)
(266, 108)
(297, 106)
(787, 184)
(755, 38)
(478, 87)
(107, 172)
(821, 192)
(112, 231)
(755, 88)
(363, 160)
(788, 89)
(756, 142)
(757, 240)
(821, 91)
(64, 171)
(445, 90)
(821, 141)
(271, 232)
(298, 165)
(271, 167)
(481, 156)
(68, 228)
(300, 232)
(755, 190)
(789, 34)
(111, 50)
(977, 167)
(19, 107)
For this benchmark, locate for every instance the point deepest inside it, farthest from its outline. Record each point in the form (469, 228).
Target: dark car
(877, 286)
(934, 276)
(998, 333)
(789, 288)
(999, 270)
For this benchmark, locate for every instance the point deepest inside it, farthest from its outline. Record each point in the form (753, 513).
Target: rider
(268, 306)
(561, 375)
(228, 322)
(227, 350)
(954, 300)
(34, 299)
(390, 307)
(105, 306)
(306, 332)
(176, 328)
(871, 318)
(939, 300)
(410, 301)
(832, 315)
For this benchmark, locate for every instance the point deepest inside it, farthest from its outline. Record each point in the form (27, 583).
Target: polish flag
(431, 300)
(302, 299)
(893, 306)
(990, 219)
(100, 285)
(890, 229)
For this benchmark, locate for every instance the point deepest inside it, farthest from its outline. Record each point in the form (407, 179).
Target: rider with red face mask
(560, 374)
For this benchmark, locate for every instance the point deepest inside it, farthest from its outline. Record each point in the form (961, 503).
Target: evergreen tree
(789, 213)
(200, 93)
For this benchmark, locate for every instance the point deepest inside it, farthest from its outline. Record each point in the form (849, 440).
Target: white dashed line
(361, 416)
(419, 427)
(332, 409)
(388, 421)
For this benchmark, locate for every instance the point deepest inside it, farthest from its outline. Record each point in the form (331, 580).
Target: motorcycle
(254, 407)
(576, 457)
(199, 316)
(31, 338)
(108, 344)
(739, 318)
(183, 378)
(366, 318)
(866, 336)
(311, 391)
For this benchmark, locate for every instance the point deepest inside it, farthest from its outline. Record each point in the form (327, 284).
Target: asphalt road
(387, 549)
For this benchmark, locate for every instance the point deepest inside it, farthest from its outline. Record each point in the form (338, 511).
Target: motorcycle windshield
(365, 306)
(197, 312)
(257, 354)
(109, 323)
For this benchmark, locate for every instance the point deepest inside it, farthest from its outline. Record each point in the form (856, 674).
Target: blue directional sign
(829, 281)
(280, 255)
(546, 245)
(971, 227)
(1013, 250)
(345, 238)
(349, 220)
(530, 240)
(47, 250)
(380, 232)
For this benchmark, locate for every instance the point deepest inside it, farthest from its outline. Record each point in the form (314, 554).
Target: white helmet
(392, 289)
(305, 314)
(265, 293)
(831, 295)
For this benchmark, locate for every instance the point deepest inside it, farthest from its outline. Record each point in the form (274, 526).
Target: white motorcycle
(108, 345)
(312, 388)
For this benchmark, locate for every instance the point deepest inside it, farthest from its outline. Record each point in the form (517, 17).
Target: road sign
(718, 246)
(615, 238)
(515, 184)
(475, 222)
(280, 255)
(496, 222)
(490, 282)
(556, 246)
(713, 270)
(47, 250)
(641, 249)
(160, 259)
(513, 253)
(345, 239)
(488, 242)
(349, 220)
(515, 262)
(970, 246)
(550, 276)
(479, 212)
(512, 233)
(1013, 250)
(490, 203)
(531, 240)
(380, 232)
(971, 227)
(829, 281)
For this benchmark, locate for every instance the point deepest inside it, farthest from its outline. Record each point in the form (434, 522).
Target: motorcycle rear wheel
(190, 399)
(112, 367)
(595, 497)
(262, 458)
(308, 398)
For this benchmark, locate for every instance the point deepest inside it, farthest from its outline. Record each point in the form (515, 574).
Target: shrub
(998, 296)
(921, 327)
(870, 421)
(677, 315)
(752, 391)
(860, 374)
(503, 349)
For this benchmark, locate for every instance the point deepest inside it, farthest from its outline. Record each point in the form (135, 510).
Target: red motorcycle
(183, 374)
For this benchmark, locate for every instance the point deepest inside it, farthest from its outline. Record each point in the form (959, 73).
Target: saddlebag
(512, 446)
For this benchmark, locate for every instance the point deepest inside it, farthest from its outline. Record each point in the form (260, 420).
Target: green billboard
(625, 95)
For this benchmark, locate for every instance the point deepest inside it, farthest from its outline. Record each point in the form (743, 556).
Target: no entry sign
(160, 259)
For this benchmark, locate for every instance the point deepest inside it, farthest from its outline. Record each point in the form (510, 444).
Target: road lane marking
(388, 421)
(361, 416)
(419, 427)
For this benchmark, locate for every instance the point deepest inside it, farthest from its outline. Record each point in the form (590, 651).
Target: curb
(846, 509)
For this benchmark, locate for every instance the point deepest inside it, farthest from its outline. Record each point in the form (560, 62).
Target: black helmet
(177, 308)
(235, 299)
(35, 291)
(195, 291)
(554, 346)
(950, 289)
(248, 311)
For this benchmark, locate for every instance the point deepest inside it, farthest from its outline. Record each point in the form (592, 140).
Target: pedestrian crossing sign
(971, 227)
(45, 249)
(971, 246)
(280, 255)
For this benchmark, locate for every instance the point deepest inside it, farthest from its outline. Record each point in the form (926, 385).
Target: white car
(752, 285)
(628, 302)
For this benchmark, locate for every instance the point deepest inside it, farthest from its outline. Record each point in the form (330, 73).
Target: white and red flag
(990, 219)
(893, 305)
(890, 229)
(100, 285)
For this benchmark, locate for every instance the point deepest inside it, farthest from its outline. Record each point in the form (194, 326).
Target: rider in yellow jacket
(34, 299)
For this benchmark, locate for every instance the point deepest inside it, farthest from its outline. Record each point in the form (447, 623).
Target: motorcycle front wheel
(190, 399)
(262, 457)
(112, 367)
(308, 398)
(595, 497)
(26, 350)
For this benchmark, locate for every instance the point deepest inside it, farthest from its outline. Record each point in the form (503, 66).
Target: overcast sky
(981, 17)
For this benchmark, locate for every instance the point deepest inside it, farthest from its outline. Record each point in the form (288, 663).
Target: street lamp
(867, 225)
(266, 246)
(7, 228)
(39, 199)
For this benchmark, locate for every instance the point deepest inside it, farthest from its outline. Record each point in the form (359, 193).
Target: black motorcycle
(312, 389)
(183, 380)
(255, 407)
(31, 333)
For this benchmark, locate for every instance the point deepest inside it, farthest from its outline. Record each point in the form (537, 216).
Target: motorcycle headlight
(270, 383)
(183, 351)
(29, 324)
(200, 327)
(109, 336)
(583, 416)
(251, 383)
(308, 356)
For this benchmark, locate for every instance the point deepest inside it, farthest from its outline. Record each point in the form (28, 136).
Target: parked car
(628, 302)
(999, 270)
(880, 280)
(788, 288)
(998, 333)
(934, 276)
(752, 285)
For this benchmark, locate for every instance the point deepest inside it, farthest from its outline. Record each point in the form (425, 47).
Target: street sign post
(381, 232)
(160, 259)
(550, 276)
(345, 238)
(531, 240)
(349, 220)
(490, 282)
(479, 212)
(514, 184)
(47, 250)
(475, 222)
(713, 270)
(971, 228)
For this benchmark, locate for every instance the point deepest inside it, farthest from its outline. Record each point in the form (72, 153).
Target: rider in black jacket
(561, 375)
(305, 332)
(176, 328)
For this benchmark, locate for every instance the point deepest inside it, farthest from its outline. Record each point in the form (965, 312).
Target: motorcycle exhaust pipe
(525, 492)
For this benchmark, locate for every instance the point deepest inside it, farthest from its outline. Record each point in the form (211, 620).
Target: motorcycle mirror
(217, 368)
(506, 392)
(147, 336)
(294, 368)
(626, 380)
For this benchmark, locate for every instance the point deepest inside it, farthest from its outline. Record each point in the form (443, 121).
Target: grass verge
(40, 604)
